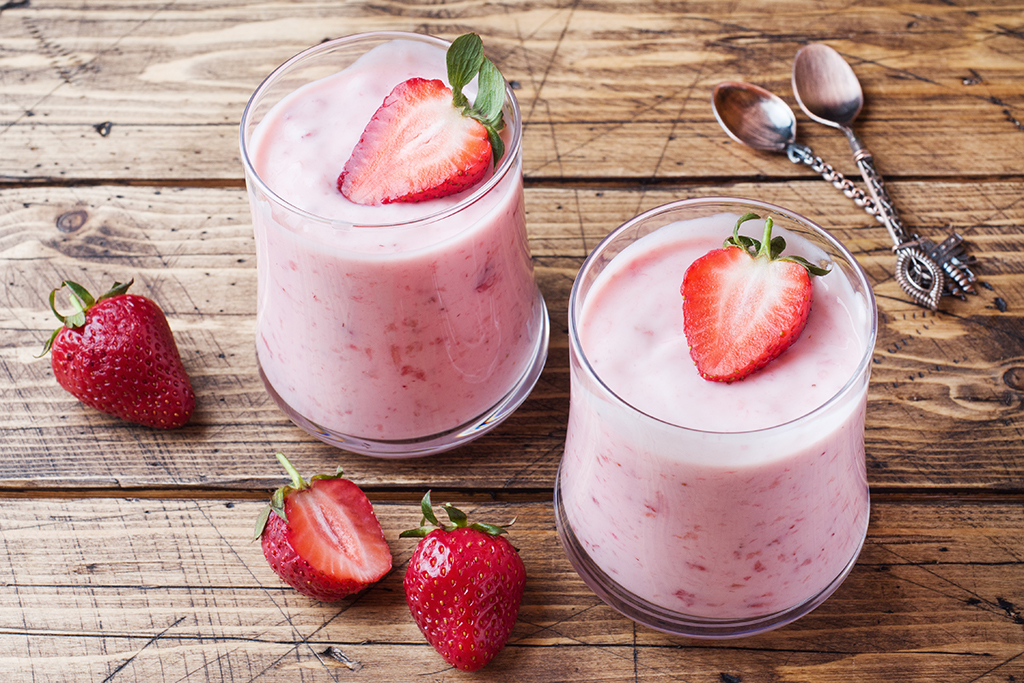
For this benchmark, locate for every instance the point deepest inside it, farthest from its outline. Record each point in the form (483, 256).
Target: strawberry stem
(458, 520)
(768, 247)
(297, 480)
(81, 301)
(277, 500)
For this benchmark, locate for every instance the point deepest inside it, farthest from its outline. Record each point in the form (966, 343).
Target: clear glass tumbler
(699, 530)
(397, 330)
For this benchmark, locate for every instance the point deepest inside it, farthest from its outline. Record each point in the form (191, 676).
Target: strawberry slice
(322, 538)
(426, 140)
(744, 304)
(334, 529)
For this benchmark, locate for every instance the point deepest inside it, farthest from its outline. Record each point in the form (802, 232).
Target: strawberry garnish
(117, 354)
(426, 140)
(322, 537)
(463, 586)
(745, 304)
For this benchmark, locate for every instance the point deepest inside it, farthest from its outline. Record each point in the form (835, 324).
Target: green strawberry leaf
(778, 245)
(497, 145)
(811, 268)
(457, 516)
(277, 501)
(261, 522)
(49, 342)
(464, 58)
(336, 475)
(428, 510)
(767, 247)
(490, 99)
(81, 301)
(118, 289)
(490, 529)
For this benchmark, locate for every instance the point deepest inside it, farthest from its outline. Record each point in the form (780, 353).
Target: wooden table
(125, 552)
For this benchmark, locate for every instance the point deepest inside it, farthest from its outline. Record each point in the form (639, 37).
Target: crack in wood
(148, 643)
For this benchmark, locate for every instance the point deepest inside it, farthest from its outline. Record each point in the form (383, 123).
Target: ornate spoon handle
(950, 254)
(802, 154)
(886, 209)
(916, 272)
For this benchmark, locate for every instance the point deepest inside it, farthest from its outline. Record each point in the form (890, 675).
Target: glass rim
(861, 279)
(508, 161)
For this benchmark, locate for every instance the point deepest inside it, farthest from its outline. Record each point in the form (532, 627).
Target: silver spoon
(760, 119)
(828, 91)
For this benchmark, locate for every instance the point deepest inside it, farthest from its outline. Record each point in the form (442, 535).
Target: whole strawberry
(745, 304)
(322, 537)
(463, 586)
(117, 354)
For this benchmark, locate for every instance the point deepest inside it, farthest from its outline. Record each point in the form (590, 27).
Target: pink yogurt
(708, 499)
(392, 322)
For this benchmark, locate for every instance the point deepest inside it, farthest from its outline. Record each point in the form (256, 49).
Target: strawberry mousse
(709, 508)
(393, 329)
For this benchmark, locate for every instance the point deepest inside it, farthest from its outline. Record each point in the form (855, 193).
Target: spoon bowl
(826, 87)
(754, 116)
(759, 118)
(828, 91)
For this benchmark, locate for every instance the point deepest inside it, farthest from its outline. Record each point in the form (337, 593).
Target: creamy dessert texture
(387, 322)
(716, 520)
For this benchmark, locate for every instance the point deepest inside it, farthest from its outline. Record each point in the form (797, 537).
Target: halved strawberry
(322, 538)
(743, 305)
(426, 140)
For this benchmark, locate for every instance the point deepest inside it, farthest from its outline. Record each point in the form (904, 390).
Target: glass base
(669, 621)
(434, 443)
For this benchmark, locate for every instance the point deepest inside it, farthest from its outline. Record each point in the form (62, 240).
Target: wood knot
(72, 220)
(1014, 378)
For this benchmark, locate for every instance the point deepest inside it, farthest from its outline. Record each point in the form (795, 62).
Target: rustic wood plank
(118, 158)
(945, 399)
(154, 590)
(146, 90)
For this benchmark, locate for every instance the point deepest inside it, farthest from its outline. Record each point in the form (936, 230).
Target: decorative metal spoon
(760, 119)
(828, 91)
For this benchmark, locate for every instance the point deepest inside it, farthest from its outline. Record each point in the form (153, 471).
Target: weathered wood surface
(945, 400)
(119, 158)
(151, 90)
(145, 590)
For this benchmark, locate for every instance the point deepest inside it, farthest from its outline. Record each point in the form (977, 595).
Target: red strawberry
(743, 305)
(117, 354)
(426, 140)
(463, 586)
(322, 538)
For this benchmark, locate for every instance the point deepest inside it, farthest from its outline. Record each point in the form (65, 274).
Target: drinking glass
(709, 533)
(391, 338)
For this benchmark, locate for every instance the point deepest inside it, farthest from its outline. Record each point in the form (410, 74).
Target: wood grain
(944, 403)
(125, 552)
(135, 590)
(146, 90)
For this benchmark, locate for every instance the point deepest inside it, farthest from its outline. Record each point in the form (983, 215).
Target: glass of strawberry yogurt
(393, 330)
(703, 508)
